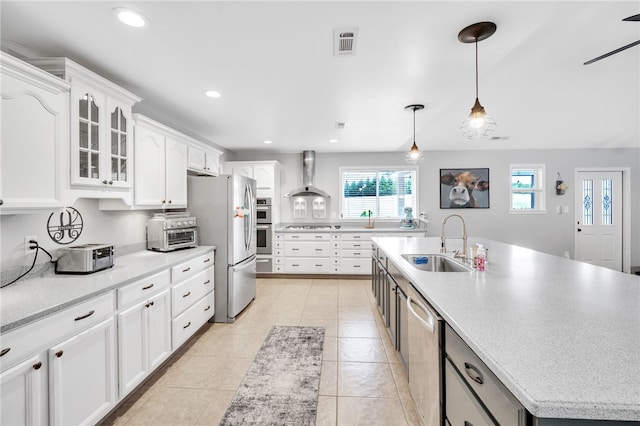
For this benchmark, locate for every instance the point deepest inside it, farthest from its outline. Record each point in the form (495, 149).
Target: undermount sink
(436, 263)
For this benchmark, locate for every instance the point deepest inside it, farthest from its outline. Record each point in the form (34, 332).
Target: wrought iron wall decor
(65, 225)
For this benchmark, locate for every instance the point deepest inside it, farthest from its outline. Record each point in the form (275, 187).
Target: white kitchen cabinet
(83, 379)
(307, 253)
(203, 161)
(351, 252)
(144, 329)
(101, 130)
(266, 174)
(192, 297)
(24, 392)
(34, 133)
(161, 166)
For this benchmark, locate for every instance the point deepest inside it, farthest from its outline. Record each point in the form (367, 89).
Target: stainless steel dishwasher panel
(425, 359)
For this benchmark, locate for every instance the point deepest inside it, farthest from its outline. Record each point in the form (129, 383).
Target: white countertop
(379, 227)
(29, 300)
(563, 336)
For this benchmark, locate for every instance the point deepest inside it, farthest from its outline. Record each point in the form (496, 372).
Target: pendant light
(478, 124)
(414, 156)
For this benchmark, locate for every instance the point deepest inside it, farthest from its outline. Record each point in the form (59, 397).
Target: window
(527, 188)
(385, 192)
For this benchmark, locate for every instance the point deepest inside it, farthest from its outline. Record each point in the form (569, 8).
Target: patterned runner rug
(281, 386)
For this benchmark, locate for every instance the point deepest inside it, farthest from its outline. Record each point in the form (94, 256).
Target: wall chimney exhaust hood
(308, 175)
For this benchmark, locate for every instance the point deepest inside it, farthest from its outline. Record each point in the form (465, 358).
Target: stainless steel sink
(436, 263)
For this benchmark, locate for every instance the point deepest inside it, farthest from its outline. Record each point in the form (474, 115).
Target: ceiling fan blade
(633, 18)
(613, 52)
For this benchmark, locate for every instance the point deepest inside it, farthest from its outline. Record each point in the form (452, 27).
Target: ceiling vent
(341, 125)
(344, 41)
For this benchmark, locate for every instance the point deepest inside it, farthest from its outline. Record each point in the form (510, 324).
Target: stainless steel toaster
(84, 259)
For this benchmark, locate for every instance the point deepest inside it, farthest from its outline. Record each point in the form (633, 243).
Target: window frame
(538, 190)
(377, 170)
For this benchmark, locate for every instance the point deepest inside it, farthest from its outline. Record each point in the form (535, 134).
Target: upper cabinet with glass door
(101, 128)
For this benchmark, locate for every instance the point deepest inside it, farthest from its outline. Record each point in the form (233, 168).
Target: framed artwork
(464, 188)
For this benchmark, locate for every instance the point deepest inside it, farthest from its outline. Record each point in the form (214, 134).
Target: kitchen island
(562, 336)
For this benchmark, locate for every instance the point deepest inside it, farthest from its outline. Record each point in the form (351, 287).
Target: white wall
(550, 233)
(109, 227)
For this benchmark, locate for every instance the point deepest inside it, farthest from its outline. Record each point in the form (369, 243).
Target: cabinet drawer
(307, 249)
(355, 266)
(143, 289)
(186, 324)
(502, 405)
(355, 245)
(462, 407)
(191, 267)
(24, 341)
(307, 237)
(307, 265)
(347, 236)
(357, 253)
(187, 293)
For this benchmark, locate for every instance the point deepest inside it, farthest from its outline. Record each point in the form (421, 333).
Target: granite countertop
(563, 336)
(379, 227)
(29, 300)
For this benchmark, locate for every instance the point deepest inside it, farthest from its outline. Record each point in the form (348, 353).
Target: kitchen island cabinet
(561, 336)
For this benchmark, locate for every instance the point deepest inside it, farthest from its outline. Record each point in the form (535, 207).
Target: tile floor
(362, 382)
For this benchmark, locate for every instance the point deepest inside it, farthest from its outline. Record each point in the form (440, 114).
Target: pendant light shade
(414, 156)
(478, 124)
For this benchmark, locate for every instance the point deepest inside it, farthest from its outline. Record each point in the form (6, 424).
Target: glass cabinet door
(118, 151)
(89, 138)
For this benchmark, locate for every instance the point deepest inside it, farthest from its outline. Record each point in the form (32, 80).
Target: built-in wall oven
(264, 237)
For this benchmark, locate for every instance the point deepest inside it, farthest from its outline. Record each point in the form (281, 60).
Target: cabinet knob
(1, 202)
(59, 353)
(146, 305)
(110, 182)
(151, 303)
(164, 201)
(104, 182)
(37, 365)
(169, 201)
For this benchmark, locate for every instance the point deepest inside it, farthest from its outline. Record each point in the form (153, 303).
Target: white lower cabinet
(144, 337)
(187, 323)
(83, 378)
(24, 392)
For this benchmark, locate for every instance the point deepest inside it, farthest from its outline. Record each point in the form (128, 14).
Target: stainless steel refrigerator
(225, 209)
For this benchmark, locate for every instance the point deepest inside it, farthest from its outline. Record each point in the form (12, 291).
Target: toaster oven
(171, 231)
(84, 259)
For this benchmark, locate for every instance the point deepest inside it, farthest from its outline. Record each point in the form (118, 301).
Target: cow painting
(464, 188)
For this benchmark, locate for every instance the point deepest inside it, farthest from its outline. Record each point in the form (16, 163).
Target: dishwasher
(425, 329)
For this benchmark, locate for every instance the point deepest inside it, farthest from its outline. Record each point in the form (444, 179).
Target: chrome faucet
(443, 248)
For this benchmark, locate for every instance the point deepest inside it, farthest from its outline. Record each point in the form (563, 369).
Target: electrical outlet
(27, 244)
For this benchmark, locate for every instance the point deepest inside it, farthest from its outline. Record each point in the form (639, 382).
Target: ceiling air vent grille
(345, 41)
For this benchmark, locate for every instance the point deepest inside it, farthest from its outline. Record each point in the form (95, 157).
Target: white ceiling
(273, 63)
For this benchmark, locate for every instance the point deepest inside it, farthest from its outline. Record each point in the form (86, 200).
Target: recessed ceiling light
(130, 17)
(333, 140)
(213, 94)
(267, 142)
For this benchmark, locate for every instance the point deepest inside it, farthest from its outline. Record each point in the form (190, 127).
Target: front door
(598, 237)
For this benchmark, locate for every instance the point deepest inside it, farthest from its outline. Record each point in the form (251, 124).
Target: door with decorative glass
(598, 237)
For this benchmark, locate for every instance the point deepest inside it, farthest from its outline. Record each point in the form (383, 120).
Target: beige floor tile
(320, 311)
(330, 326)
(370, 412)
(215, 409)
(232, 379)
(358, 329)
(329, 379)
(400, 378)
(330, 350)
(327, 411)
(173, 406)
(355, 312)
(410, 413)
(357, 349)
(365, 379)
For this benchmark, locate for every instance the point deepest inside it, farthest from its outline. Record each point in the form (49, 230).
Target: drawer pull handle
(319, 265)
(356, 253)
(319, 249)
(37, 365)
(295, 265)
(207, 282)
(147, 287)
(59, 353)
(188, 324)
(187, 270)
(208, 259)
(207, 308)
(356, 245)
(295, 249)
(187, 294)
(356, 266)
(85, 316)
(467, 423)
(4, 351)
(474, 373)
(318, 236)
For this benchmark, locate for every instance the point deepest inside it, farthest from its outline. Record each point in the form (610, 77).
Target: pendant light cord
(414, 125)
(476, 67)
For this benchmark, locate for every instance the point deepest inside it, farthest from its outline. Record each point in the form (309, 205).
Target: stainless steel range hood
(308, 175)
